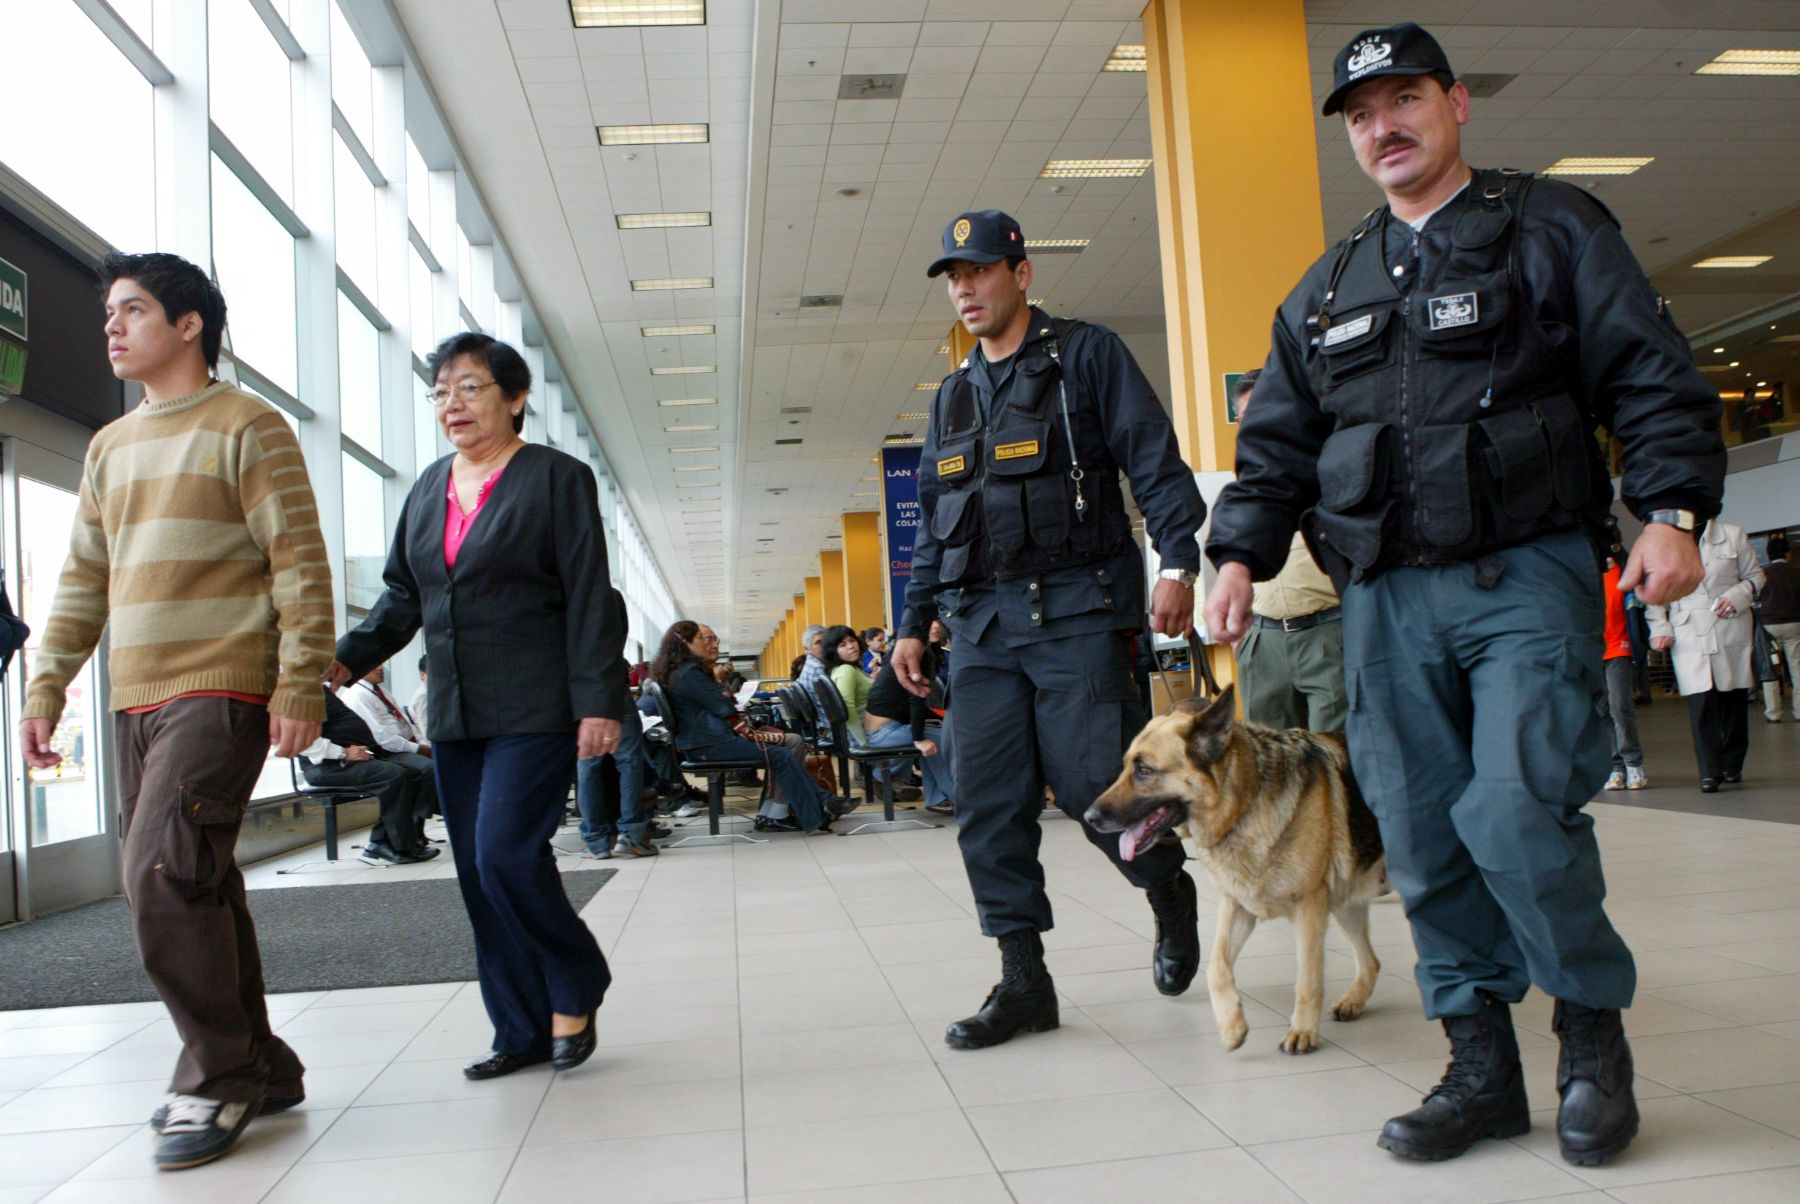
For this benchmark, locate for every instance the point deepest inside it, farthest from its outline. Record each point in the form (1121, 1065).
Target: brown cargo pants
(186, 771)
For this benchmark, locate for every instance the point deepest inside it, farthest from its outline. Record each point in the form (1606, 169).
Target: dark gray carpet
(313, 938)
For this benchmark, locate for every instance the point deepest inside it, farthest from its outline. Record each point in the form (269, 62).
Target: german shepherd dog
(1279, 823)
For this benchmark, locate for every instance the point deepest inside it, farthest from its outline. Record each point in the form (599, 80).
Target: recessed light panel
(591, 14)
(1127, 58)
(657, 284)
(912, 417)
(1056, 246)
(1598, 166)
(690, 401)
(682, 427)
(675, 451)
(1753, 62)
(653, 135)
(690, 370)
(1094, 169)
(669, 332)
(661, 221)
(1734, 261)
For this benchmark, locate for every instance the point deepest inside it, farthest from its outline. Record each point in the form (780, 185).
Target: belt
(1301, 622)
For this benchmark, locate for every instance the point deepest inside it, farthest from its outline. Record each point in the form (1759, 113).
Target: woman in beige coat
(1712, 633)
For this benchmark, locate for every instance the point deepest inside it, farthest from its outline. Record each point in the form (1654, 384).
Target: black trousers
(1059, 713)
(1721, 730)
(396, 787)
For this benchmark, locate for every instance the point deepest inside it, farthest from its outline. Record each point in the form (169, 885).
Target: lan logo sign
(12, 301)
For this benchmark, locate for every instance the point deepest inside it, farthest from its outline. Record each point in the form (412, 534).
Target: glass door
(65, 848)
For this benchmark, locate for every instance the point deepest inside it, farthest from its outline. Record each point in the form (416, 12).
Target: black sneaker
(271, 1105)
(196, 1131)
(768, 823)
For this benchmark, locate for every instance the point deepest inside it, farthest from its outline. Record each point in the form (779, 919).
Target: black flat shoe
(497, 1065)
(1734, 776)
(570, 1052)
(1709, 786)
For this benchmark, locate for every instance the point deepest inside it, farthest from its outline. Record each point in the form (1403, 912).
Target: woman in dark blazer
(499, 555)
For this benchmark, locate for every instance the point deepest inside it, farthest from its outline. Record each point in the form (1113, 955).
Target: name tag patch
(1355, 328)
(953, 464)
(1457, 309)
(1014, 451)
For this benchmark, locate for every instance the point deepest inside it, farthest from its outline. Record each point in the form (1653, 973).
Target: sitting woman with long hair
(709, 728)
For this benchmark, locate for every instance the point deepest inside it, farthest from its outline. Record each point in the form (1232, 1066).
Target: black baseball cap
(985, 236)
(1403, 49)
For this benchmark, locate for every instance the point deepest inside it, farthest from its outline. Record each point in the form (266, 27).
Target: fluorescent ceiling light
(1127, 58)
(913, 417)
(690, 401)
(653, 135)
(656, 284)
(594, 13)
(1053, 246)
(696, 484)
(680, 427)
(668, 332)
(943, 349)
(1578, 165)
(661, 221)
(1753, 62)
(864, 493)
(681, 450)
(1038, 301)
(1094, 169)
(690, 370)
(696, 468)
(1734, 261)
(902, 439)
(927, 386)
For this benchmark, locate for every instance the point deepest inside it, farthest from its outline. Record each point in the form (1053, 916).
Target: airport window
(365, 534)
(359, 376)
(356, 238)
(97, 159)
(352, 79)
(418, 190)
(251, 91)
(253, 258)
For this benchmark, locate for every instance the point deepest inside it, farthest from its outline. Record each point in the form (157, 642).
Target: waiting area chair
(832, 708)
(329, 798)
(713, 771)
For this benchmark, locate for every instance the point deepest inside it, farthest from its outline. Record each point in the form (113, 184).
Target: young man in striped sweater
(197, 545)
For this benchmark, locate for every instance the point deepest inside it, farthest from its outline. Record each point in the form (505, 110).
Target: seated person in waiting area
(708, 727)
(347, 754)
(843, 657)
(400, 739)
(896, 717)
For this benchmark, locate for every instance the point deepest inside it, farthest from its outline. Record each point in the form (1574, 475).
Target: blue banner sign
(900, 510)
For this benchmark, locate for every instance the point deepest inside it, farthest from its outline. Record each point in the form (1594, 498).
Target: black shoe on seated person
(769, 823)
(425, 851)
(380, 851)
(497, 1064)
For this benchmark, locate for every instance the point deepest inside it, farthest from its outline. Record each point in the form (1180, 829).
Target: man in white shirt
(418, 709)
(400, 739)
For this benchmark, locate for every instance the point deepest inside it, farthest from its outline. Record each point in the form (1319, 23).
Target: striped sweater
(197, 541)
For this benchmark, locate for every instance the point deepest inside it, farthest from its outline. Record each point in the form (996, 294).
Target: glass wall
(328, 211)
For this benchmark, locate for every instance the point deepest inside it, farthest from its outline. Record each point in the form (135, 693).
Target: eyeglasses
(466, 391)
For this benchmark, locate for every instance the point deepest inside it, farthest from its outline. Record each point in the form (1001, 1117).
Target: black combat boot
(1024, 1001)
(1482, 1093)
(1599, 1114)
(1176, 958)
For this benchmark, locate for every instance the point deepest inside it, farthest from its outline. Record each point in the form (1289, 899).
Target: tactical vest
(1456, 429)
(1031, 489)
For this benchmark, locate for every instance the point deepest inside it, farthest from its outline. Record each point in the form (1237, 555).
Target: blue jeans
(602, 824)
(806, 799)
(936, 773)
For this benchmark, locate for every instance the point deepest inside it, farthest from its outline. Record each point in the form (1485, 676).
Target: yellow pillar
(801, 622)
(831, 577)
(815, 601)
(1242, 243)
(865, 576)
(961, 343)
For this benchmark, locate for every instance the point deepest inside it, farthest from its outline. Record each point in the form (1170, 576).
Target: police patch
(1014, 451)
(1457, 309)
(1355, 328)
(953, 464)
(960, 232)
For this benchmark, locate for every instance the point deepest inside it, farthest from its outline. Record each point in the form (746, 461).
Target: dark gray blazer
(523, 636)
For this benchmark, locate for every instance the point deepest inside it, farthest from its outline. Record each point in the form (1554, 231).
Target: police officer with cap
(1426, 416)
(1025, 552)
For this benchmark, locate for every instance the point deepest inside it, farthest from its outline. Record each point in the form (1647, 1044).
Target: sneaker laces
(190, 1114)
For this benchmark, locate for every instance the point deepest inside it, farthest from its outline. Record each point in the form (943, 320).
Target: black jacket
(1624, 363)
(524, 636)
(703, 711)
(1120, 426)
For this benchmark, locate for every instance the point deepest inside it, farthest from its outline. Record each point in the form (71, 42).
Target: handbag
(1766, 659)
(13, 632)
(820, 770)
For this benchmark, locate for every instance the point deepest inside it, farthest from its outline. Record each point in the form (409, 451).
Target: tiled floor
(775, 1034)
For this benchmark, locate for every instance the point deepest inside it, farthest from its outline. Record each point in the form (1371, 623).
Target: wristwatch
(1185, 576)
(1681, 520)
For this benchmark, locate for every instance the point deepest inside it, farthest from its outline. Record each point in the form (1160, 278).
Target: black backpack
(13, 632)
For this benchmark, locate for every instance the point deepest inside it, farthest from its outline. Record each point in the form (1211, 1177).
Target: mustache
(1391, 141)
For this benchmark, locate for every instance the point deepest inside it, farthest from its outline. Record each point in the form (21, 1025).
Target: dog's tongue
(1132, 838)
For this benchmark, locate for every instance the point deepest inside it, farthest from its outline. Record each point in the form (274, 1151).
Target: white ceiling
(985, 104)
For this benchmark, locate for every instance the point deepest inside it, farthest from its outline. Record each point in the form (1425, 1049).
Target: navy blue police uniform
(1025, 551)
(1426, 416)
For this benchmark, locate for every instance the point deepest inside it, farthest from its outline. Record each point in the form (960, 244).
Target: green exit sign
(12, 300)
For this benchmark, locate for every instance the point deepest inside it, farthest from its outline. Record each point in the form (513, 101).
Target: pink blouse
(457, 524)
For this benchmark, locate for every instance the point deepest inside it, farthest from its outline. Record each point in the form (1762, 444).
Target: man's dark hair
(503, 362)
(674, 652)
(1778, 547)
(836, 635)
(180, 287)
(871, 633)
(422, 661)
(1013, 262)
(1247, 382)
